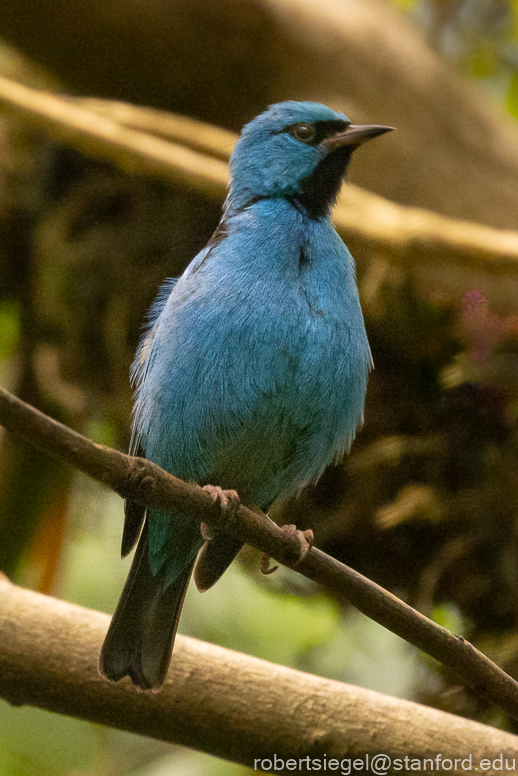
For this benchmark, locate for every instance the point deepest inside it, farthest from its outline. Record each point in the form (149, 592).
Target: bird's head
(296, 150)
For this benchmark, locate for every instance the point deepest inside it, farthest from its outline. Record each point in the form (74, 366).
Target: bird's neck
(292, 202)
(314, 194)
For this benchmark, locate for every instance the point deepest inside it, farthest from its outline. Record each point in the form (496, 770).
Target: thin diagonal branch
(146, 483)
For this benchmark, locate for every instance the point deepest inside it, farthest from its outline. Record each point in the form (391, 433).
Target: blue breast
(263, 358)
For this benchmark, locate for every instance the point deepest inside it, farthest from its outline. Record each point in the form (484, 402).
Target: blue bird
(253, 373)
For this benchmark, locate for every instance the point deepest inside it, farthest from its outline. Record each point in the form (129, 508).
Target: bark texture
(218, 701)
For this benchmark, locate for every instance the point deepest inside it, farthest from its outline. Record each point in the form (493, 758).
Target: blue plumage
(254, 370)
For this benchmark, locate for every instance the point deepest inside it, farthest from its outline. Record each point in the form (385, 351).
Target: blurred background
(427, 502)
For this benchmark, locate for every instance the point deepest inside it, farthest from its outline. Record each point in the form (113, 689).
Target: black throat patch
(320, 189)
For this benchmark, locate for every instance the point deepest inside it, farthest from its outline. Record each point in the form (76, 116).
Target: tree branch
(146, 483)
(455, 153)
(106, 138)
(219, 701)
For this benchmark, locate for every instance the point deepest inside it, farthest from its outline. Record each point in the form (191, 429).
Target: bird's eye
(304, 132)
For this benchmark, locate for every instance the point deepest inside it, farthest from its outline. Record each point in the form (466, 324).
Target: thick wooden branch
(222, 702)
(224, 62)
(107, 138)
(444, 257)
(146, 483)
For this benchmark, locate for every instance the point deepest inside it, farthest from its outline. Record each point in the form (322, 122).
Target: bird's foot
(227, 500)
(306, 540)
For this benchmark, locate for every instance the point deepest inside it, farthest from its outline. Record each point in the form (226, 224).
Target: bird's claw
(206, 532)
(227, 501)
(306, 540)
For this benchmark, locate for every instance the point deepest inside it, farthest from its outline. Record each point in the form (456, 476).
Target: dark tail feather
(134, 517)
(214, 558)
(140, 638)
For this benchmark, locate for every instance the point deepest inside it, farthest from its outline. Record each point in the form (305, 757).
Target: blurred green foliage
(9, 328)
(479, 38)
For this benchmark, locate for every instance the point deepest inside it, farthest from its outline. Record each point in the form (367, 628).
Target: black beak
(354, 135)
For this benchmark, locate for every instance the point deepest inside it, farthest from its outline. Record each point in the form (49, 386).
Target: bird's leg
(227, 500)
(306, 540)
(219, 547)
